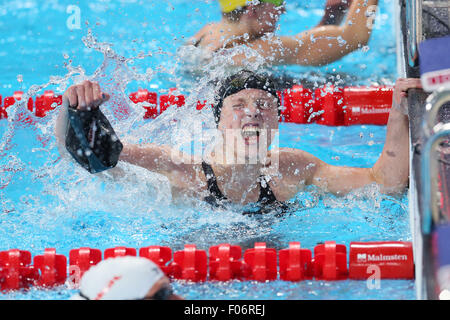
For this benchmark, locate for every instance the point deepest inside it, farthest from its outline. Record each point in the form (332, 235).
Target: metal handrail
(432, 106)
(413, 16)
(435, 134)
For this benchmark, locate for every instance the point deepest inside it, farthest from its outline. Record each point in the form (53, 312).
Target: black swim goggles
(164, 293)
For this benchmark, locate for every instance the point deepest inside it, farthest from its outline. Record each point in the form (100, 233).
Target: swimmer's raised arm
(323, 44)
(88, 96)
(390, 172)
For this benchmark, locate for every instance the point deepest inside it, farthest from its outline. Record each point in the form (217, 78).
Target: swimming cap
(91, 140)
(242, 80)
(121, 278)
(230, 5)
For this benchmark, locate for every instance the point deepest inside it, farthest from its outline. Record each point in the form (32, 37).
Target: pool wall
(417, 25)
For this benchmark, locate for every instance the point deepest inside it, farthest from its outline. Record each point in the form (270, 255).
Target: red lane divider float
(16, 271)
(329, 102)
(190, 264)
(159, 255)
(393, 260)
(299, 105)
(149, 101)
(262, 262)
(9, 101)
(41, 106)
(225, 262)
(330, 261)
(171, 99)
(83, 259)
(367, 105)
(53, 268)
(119, 252)
(295, 263)
(330, 105)
(389, 260)
(47, 102)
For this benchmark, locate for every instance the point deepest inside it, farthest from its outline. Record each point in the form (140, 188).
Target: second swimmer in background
(252, 23)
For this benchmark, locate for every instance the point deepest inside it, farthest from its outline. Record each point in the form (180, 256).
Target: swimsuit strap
(211, 180)
(266, 195)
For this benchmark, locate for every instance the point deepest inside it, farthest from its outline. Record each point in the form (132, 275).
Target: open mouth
(250, 130)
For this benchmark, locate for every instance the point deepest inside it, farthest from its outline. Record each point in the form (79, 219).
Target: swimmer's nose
(252, 111)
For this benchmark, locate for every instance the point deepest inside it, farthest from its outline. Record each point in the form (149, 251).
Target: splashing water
(69, 189)
(47, 200)
(64, 183)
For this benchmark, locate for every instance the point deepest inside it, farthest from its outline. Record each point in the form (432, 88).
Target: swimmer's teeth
(250, 131)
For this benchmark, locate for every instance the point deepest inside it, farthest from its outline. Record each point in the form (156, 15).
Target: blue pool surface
(48, 201)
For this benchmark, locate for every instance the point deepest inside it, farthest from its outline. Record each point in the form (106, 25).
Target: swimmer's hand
(193, 59)
(89, 137)
(215, 36)
(402, 85)
(85, 96)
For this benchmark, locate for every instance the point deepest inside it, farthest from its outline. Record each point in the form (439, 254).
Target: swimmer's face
(252, 114)
(263, 17)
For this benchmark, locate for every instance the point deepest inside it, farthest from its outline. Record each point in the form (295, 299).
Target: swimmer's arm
(301, 168)
(61, 128)
(390, 172)
(392, 167)
(158, 158)
(321, 45)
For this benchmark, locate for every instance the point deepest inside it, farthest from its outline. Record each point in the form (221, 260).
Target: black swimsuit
(267, 199)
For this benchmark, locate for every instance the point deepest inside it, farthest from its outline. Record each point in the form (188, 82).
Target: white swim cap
(121, 278)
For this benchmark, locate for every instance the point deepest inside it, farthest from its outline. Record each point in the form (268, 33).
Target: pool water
(35, 41)
(43, 206)
(49, 201)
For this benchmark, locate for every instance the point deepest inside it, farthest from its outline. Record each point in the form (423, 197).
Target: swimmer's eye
(264, 105)
(238, 106)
